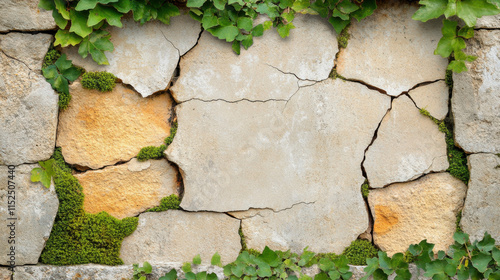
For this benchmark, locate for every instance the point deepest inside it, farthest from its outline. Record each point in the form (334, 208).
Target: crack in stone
(487, 28)
(270, 209)
(290, 73)
(178, 51)
(367, 85)
(13, 58)
(235, 101)
(195, 44)
(419, 85)
(51, 32)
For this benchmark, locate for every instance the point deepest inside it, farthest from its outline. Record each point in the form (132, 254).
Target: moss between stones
(343, 38)
(50, 57)
(356, 253)
(449, 79)
(365, 189)
(458, 228)
(456, 156)
(102, 81)
(78, 237)
(167, 203)
(152, 152)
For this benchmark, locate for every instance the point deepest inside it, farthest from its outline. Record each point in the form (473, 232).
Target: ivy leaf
(339, 14)
(372, 266)
(457, 66)
(172, 275)
(435, 268)
(86, 5)
(216, 260)
(270, 257)
(186, 267)
(247, 42)
(338, 23)
(300, 5)
(43, 174)
(320, 7)
(284, 30)
(66, 38)
(481, 261)
(167, 11)
(245, 23)
(95, 44)
(60, 21)
(209, 21)
(60, 84)
(50, 72)
(347, 7)
(379, 275)
(470, 10)
(66, 68)
(487, 244)
(403, 274)
(430, 9)
(460, 237)
(367, 9)
(466, 32)
(258, 30)
(47, 5)
(220, 4)
(123, 6)
(228, 33)
(197, 259)
(211, 276)
(496, 255)
(79, 23)
(195, 3)
(100, 12)
(61, 7)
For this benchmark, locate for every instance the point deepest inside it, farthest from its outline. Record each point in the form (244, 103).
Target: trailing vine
(82, 22)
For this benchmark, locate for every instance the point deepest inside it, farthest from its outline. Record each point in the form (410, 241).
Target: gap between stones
(51, 32)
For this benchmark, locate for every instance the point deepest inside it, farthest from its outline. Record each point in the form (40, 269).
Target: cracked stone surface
(24, 15)
(482, 207)
(476, 96)
(129, 189)
(408, 145)
(145, 56)
(433, 97)
(35, 209)
(178, 236)
(407, 213)
(488, 22)
(28, 105)
(394, 58)
(269, 69)
(236, 156)
(100, 129)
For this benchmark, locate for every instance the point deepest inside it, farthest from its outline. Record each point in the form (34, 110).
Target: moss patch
(50, 57)
(449, 79)
(458, 228)
(167, 203)
(359, 251)
(456, 156)
(365, 189)
(343, 38)
(78, 237)
(102, 81)
(152, 152)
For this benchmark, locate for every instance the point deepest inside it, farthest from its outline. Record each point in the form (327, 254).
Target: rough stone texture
(128, 189)
(178, 236)
(407, 213)
(77, 272)
(145, 56)
(28, 105)
(304, 154)
(408, 145)
(394, 58)
(100, 129)
(35, 210)
(476, 96)
(433, 97)
(482, 207)
(5, 273)
(24, 15)
(488, 22)
(269, 69)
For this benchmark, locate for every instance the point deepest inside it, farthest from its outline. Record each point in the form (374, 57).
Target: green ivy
(78, 237)
(167, 203)
(50, 58)
(102, 81)
(59, 74)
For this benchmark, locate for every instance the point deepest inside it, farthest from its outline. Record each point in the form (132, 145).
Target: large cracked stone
(178, 236)
(24, 15)
(482, 207)
(304, 154)
(100, 129)
(407, 213)
(145, 56)
(488, 22)
(269, 69)
(476, 96)
(433, 98)
(27, 212)
(407, 146)
(398, 56)
(129, 189)
(28, 105)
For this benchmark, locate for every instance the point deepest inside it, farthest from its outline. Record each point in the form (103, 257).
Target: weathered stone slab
(433, 98)
(5, 273)
(482, 207)
(476, 96)
(397, 57)
(24, 15)
(34, 208)
(28, 105)
(408, 145)
(178, 236)
(100, 129)
(407, 213)
(488, 22)
(270, 69)
(128, 189)
(145, 56)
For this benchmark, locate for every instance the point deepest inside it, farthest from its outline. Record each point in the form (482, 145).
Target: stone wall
(275, 142)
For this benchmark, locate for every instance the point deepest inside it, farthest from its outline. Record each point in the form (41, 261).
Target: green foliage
(453, 40)
(102, 81)
(458, 228)
(43, 174)
(59, 75)
(50, 58)
(59, 160)
(408, 257)
(168, 202)
(343, 38)
(449, 79)
(78, 237)
(457, 158)
(359, 251)
(365, 189)
(152, 152)
(140, 273)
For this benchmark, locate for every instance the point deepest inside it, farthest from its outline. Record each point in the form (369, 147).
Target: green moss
(102, 81)
(458, 228)
(60, 160)
(359, 251)
(457, 158)
(167, 203)
(335, 75)
(408, 257)
(51, 57)
(449, 78)
(152, 152)
(343, 38)
(365, 189)
(78, 237)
